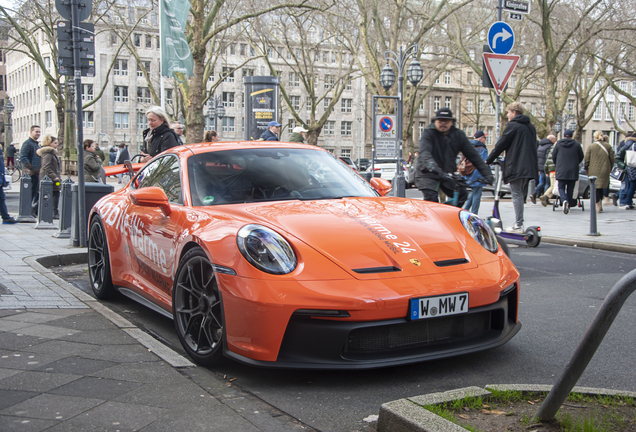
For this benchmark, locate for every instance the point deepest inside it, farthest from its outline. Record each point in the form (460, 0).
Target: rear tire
(533, 237)
(99, 261)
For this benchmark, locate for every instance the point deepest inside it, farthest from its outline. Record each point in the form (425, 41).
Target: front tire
(99, 261)
(197, 308)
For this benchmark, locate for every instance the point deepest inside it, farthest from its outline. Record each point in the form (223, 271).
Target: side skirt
(144, 301)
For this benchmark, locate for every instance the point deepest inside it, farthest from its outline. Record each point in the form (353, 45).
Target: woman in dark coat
(159, 137)
(92, 162)
(51, 168)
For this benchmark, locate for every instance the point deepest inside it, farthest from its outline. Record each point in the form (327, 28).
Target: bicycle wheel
(15, 174)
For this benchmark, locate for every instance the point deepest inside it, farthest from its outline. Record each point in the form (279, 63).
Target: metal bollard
(25, 208)
(45, 212)
(66, 204)
(593, 231)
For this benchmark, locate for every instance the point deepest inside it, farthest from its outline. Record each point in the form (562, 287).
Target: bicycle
(15, 171)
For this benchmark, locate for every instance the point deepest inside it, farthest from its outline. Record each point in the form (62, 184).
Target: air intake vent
(377, 270)
(451, 262)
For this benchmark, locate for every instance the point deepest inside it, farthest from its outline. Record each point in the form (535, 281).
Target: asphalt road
(562, 288)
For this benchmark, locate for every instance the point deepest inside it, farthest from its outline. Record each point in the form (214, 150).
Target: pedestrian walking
(211, 136)
(92, 162)
(11, 151)
(623, 188)
(6, 217)
(567, 155)
(112, 155)
(519, 141)
(122, 156)
(544, 179)
(51, 169)
(627, 195)
(473, 179)
(158, 137)
(299, 134)
(440, 144)
(99, 152)
(31, 162)
(599, 160)
(271, 134)
(178, 129)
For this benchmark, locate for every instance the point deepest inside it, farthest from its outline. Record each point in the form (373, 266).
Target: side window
(163, 173)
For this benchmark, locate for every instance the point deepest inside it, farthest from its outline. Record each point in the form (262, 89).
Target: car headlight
(479, 230)
(266, 250)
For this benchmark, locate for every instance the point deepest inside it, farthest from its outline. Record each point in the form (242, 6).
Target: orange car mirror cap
(381, 185)
(151, 196)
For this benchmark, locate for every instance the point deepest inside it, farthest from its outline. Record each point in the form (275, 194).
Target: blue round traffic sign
(386, 124)
(501, 38)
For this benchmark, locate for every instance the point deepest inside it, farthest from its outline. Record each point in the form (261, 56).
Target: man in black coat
(567, 155)
(440, 144)
(544, 178)
(31, 162)
(519, 141)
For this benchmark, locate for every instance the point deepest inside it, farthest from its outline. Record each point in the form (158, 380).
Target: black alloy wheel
(99, 262)
(197, 308)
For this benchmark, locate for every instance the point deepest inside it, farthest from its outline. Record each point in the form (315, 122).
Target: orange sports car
(279, 255)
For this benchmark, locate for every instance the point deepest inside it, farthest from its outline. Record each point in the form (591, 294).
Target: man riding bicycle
(440, 144)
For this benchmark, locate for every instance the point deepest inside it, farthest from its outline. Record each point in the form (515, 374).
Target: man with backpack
(473, 177)
(629, 179)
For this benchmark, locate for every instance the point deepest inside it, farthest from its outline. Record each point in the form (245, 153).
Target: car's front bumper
(314, 343)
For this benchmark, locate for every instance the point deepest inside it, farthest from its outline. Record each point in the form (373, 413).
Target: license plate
(438, 306)
(388, 169)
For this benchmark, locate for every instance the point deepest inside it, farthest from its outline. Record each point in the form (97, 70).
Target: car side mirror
(151, 196)
(383, 186)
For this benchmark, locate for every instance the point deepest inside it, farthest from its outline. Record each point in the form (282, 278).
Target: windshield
(253, 175)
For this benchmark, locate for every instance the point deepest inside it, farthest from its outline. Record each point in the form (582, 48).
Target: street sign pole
(75, 22)
(498, 98)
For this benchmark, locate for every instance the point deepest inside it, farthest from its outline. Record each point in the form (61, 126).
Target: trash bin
(93, 193)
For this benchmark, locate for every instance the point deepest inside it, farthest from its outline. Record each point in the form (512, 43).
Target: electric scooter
(532, 234)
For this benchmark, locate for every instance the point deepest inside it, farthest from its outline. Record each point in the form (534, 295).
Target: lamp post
(414, 74)
(215, 110)
(8, 131)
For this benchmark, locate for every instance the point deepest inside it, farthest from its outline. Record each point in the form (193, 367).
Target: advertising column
(262, 97)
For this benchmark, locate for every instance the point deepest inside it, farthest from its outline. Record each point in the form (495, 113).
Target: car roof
(239, 145)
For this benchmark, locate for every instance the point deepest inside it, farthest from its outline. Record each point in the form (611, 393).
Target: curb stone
(409, 415)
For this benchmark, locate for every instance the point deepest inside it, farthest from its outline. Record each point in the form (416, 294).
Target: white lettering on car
(383, 233)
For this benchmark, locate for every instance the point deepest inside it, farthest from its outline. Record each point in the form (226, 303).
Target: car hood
(371, 237)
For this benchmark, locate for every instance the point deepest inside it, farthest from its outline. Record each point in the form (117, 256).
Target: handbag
(617, 173)
(630, 157)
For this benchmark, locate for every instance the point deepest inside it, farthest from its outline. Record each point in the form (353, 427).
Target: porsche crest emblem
(415, 261)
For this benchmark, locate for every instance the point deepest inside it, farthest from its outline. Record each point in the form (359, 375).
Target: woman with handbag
(626, 160)
(599, 160)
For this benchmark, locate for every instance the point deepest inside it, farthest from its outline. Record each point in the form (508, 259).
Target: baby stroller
(579, 198)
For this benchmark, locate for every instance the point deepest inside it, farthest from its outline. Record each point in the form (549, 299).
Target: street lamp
(414, 74)
(215, 110)
(8, 132)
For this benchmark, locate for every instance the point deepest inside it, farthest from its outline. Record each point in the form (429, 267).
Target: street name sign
(500, 68)
(518, 6)
(501, 38)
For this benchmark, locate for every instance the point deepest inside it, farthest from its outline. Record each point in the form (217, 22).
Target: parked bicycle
(15, 171)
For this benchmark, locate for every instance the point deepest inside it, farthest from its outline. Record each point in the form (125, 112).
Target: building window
(121, 94)
(623, 86)
(598, 112)
(248, 72)
(148, 41)
(469, 78)
(447, 102)
(330, 127)
(146, 65)
(228, 124)
(325, 56)
(228, 99)
(295, 102)
(329, 81)
(447, 77)
(232, 49)
(309, 106)
(243, 50)
(326, 102)
(609, 112)
(533, 109)
(87, 92)
(621, 111)
(230, 75)
(437, 103)
(137, 40)
(470, 132)
(481, 106)
(571, 105)
(420, 128)
(345, 153)
(291, 124)
(348, 84)
(469, 106)
(142, 121)
(345, 128)
(294, 80)
(88, 119)
(334, 58)
(491, 109)
(630, 112)
(48, 117)
(471, 54)
(169, 96)
(438, 80)
(143, 95)
(121, 67)
(121, 120)
(346, 105)
(47, 93)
